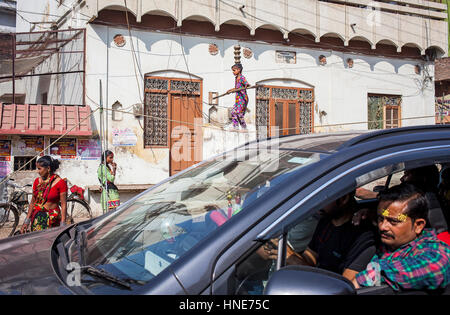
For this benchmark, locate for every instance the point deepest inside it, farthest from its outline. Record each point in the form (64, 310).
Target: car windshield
(145, 236)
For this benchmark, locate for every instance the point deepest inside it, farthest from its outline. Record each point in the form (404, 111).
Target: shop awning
(28, 119)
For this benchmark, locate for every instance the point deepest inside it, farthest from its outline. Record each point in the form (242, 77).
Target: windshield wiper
(80, 238)
(100, 273)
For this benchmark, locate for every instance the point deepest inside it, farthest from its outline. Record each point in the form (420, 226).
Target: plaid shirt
(421, 264)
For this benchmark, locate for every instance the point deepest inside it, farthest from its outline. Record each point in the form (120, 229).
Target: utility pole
(103, 152)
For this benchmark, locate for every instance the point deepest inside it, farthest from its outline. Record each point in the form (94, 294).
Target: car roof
(338, 141)
(403, 131)
(318, 142)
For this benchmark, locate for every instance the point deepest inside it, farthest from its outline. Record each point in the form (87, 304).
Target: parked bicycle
(77, 207)
(10, 211)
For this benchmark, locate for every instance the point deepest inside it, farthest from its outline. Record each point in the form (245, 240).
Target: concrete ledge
(129, 187)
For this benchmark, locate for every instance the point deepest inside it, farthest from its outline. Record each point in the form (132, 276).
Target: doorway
(284, 110)
(173, 111)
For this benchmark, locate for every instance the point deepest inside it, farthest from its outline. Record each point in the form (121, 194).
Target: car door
(340, 180)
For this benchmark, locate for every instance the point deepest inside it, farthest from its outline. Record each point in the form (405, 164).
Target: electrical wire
(270, 12)
(52, 143)
(23, 18)
(314, 45)
(88, 18)
(305, 9)
(184, 57)
(190, 77)
(135, 64)
(281, 129)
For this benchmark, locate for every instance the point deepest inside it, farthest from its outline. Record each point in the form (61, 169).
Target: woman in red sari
(49, 191)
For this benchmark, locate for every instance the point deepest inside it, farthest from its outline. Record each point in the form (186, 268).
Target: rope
(315, 126)
(36, 156)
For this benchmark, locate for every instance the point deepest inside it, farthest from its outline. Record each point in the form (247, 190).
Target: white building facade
(7, 16)
(160, 64)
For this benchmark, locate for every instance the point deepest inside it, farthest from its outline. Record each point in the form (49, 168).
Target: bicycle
(16, 205)
(77, 207)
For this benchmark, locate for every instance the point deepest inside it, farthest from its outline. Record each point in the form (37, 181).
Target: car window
(145, 237)
(258, 274)
(253, 272)
(395, 179)
(318, 241)
(365, 190)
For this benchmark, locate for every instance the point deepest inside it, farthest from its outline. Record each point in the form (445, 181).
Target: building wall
(64, 89)
(46, 12)
(340, 92)
(419, 23)
(336, 86)
(442, 102)
(7, 16)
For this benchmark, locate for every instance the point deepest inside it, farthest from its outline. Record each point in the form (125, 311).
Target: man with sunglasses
(410, 256)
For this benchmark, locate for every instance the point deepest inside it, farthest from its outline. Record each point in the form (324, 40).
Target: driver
(411, 256)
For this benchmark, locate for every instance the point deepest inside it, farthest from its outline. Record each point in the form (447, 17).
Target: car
(197, 232)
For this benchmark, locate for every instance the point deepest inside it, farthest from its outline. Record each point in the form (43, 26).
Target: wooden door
(284, 115)
(391, 117)
(185, 138)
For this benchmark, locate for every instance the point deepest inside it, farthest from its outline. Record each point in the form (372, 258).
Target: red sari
(42, 218)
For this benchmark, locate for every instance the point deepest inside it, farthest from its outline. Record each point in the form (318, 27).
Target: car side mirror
(378, 188)
(303, 280)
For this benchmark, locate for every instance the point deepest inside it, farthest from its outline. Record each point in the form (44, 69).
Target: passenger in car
(410, 256)
(426, 179)
(444, 193)
(337, 245)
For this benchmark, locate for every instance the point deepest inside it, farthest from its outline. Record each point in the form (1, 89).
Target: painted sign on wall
(28, 146)
(89, 149)
(65, 148)
(5, 148)
(5, 168)
(124, 137)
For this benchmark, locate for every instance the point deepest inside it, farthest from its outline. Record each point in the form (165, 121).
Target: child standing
(240, 105)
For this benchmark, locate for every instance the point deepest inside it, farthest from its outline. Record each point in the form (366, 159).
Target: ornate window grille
(262, 92)
(156, 84)
(384, 111)
(304, 100)
(306, 95)
(155, 120)
(306, 117)
(183, 86)
(262, 117)
(285, 94)
(157, 96)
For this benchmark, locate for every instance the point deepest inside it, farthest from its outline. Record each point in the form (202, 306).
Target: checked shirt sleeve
(425, 268)
(372, 275)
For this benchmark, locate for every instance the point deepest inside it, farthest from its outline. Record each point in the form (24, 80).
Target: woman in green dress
(106, 174)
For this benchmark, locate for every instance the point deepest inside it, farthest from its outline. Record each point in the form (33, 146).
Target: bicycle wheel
(78, 210)
(10, 220)
(4, 215)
